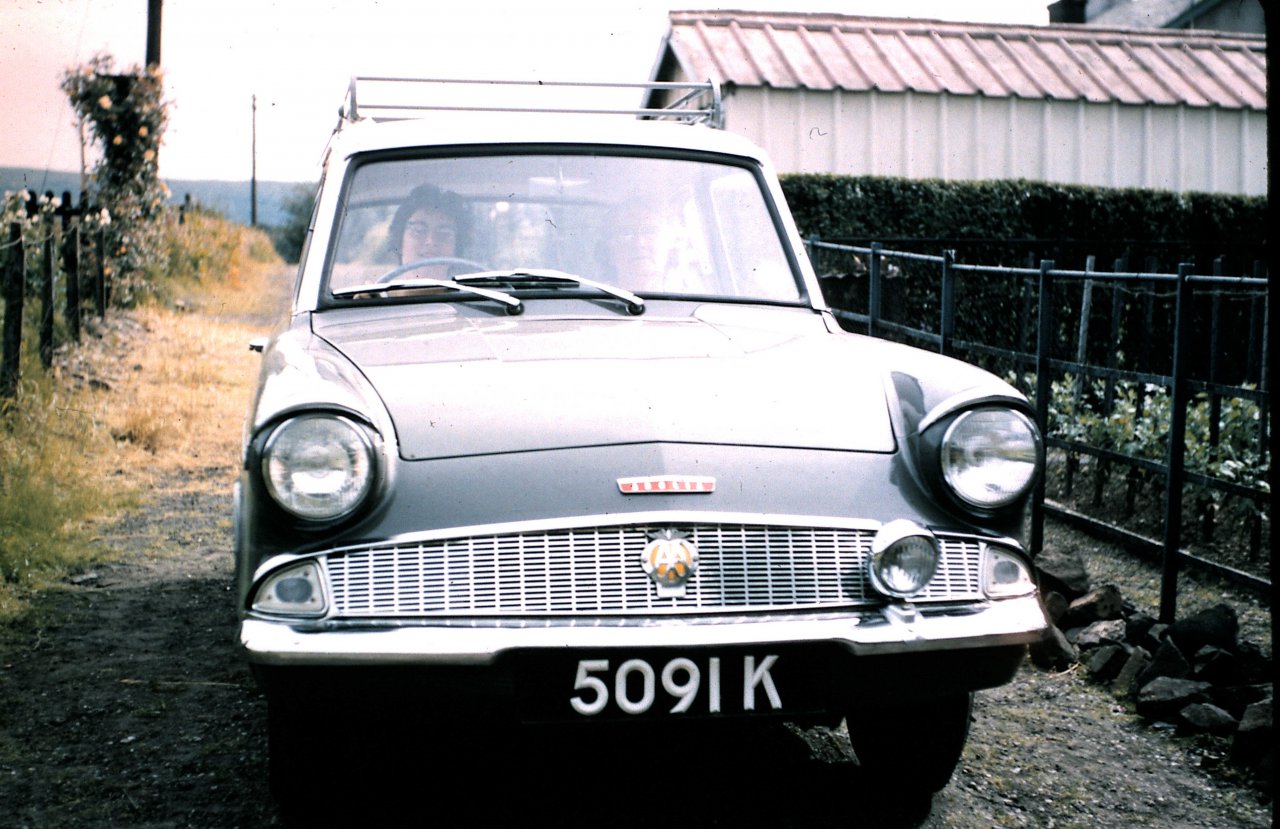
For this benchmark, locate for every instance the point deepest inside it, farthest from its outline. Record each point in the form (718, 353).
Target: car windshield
(654, 226)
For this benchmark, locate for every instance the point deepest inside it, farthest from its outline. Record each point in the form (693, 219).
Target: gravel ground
(124, 704)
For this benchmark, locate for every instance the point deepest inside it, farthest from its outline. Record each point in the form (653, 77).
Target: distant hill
(230, 198)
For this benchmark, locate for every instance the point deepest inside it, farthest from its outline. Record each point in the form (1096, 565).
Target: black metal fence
(72, 265)
(1126, 371)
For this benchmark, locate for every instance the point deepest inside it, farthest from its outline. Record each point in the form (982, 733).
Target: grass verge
(159, 387)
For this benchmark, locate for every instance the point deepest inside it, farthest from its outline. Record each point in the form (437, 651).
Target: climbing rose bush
(127, 115)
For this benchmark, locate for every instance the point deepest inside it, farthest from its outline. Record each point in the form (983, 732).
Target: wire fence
(1150, 389)
(52, 257)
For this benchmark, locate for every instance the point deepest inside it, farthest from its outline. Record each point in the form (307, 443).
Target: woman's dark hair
(427, 197)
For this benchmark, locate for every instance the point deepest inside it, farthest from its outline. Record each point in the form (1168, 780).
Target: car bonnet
(459, 385)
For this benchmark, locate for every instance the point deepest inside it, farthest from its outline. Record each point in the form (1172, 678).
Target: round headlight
(990, 457)
(318, 467)
(904, 557)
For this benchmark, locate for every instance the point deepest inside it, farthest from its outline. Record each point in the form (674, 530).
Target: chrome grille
(596, 570)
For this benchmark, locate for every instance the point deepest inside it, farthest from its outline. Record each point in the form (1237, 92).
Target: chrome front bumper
(894, 629)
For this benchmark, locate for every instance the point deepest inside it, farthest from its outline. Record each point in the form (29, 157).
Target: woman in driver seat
(429, 225)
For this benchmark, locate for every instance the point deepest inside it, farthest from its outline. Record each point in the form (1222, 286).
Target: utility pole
(253, 168)
(153, 32)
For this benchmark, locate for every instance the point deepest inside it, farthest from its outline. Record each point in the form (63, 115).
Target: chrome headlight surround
(904, 558)
(319, 467)
(989, 457)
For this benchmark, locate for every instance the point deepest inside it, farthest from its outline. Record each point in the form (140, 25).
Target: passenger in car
(637, 249)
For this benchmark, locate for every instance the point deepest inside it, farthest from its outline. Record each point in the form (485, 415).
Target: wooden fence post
(1082, 338)
(71, 263)
(100, 273)
(1113, 358)
(14, 286)
(48, 270)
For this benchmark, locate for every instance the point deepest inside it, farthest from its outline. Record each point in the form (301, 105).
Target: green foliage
(127, 116)
(193, 249)
(1137, 425)
(44, 499)
(1015, 223)
(289, 237)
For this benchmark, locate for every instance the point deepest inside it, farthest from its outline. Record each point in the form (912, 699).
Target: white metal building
(1173, 110)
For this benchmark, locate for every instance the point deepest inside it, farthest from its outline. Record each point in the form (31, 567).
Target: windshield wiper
(513, 305)
(635, 305)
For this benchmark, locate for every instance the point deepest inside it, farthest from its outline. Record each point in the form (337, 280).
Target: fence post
(1264, 372)
(1082, 338)
(948, 323)
(1177, 449)
(1044, 383)
(14, 286)
(873, 291)
(1264, 367)
(1024, 345)
(1257, 320)
(71, 263)
(46, 295)
(1215, 399)
(100, 274)
(1113, 358)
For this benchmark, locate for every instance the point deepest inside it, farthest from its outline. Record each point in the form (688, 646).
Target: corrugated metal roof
(829, 51)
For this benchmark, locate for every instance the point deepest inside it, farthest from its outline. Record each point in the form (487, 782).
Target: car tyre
(292, 749)
(910, 748)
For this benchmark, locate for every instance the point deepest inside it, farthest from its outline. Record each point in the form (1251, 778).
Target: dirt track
(127, 706)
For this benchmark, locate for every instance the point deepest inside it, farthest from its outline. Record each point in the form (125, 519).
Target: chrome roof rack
(396, 99)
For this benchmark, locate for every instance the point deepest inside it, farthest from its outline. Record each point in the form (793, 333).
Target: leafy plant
(127, 116)
(1137, 425)
(290, 236)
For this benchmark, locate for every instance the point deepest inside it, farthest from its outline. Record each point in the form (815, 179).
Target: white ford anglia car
(561, 430)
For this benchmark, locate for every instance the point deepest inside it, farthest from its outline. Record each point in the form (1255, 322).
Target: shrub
(127, 116)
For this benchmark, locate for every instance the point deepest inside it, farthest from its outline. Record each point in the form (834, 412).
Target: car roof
(490, 128)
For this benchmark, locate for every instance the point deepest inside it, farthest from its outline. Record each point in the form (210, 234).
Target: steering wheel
(431, 260)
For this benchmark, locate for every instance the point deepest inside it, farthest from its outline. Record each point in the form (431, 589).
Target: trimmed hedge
(1016, 223)
(1019, 223)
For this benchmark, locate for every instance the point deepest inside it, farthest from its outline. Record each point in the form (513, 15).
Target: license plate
(668, 685)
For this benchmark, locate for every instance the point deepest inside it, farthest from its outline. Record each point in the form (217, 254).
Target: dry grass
(158, 389)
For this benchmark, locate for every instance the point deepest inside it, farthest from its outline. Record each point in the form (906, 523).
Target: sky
(297, 56)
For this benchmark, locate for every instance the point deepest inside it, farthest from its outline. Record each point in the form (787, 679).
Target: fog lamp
(1006, 575)
(294, 591)
(904, 557)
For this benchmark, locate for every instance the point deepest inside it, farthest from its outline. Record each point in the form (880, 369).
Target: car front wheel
(910, 747)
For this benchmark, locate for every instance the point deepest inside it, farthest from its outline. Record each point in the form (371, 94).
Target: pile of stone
(1194, 675)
